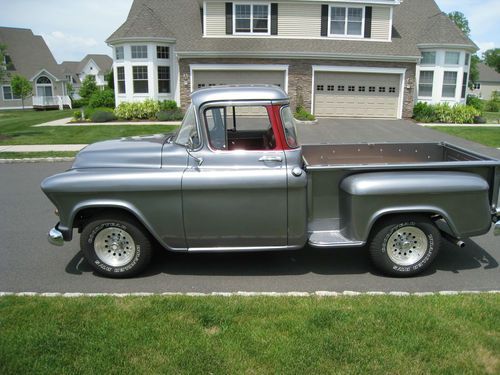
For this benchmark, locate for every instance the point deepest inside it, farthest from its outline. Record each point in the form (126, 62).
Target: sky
(75, 28)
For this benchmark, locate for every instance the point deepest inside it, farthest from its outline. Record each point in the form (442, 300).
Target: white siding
(299, 20)
(381, 23)
(215, 19)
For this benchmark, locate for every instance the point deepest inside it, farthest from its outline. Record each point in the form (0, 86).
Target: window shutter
(202, 15)
(324, 20)
(274, 19)
(368, 22)
(229, 18)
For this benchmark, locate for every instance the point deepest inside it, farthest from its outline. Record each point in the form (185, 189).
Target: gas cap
(297, 172)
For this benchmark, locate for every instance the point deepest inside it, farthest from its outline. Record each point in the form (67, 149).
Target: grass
(486, 136)
(29, 155)
(258, 335)
(492, 117)
(16, 128)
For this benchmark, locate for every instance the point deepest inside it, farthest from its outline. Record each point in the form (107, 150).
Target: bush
(102, 116)
(492, 106)
(479, 120)
(172, 115)
(102, 98)
(79, 103)
(444, 113)
(77, 115)
(302, 115)
(475, 102)
(168, 105)
(145, 110)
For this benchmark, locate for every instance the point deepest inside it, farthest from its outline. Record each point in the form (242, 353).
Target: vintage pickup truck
(234, 178)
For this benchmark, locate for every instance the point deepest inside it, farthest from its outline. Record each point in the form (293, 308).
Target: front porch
(52, 102)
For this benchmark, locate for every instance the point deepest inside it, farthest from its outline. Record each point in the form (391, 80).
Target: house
(355, 58)
(28, 55)
(97, 65)
(488, 83)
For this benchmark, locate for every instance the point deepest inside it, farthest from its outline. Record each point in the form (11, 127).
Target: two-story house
(356, 58)
(95, 64)
(28, 55)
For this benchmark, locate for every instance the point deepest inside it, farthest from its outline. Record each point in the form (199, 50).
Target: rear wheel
(116, 247)
(404, 245)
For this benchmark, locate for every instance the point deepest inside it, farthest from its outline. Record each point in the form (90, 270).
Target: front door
(235, 191)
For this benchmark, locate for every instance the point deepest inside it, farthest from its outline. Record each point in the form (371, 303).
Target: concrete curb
(252, 294)
(461, 125)
(35, 160)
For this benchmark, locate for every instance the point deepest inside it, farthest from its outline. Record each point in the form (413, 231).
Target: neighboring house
(96, 65)
(358, 58)
(488, 83)
(29, 56)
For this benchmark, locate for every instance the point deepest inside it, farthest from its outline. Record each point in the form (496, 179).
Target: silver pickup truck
(234, 178)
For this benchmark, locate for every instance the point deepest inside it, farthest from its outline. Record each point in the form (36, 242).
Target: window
(346, 21)
(201, 85)
(251, 18)
(392, 90)
(361, 88)
(164, 79)
(239, 128)
(140, 76)
(477, 86)
(351, 88)
(428, 58)
(8, 62)
(449, 84)
(139, 52)
(341, 88)
(371, 89)
(120, 77)
(464, 85)
(331, 88)
(188, 132)
(381, 89)
(8, 95)
(162, 52)
(320, 87)
(467, 59)
(425, 83)
(452, 58)
(289, 127)
(119, 53)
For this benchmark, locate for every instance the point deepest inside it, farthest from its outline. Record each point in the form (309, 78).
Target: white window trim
(252, 3)
(11, 93)
(139, 58)
(435, 58)
(169, 80)
(123, 53)
(433, 84)
(345, 35)
(459, 58)
(457, 85)
(164, 46)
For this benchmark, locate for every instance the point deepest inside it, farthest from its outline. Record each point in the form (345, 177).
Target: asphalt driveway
(29, 264)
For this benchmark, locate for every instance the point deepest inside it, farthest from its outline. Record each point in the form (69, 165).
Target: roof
(487, 74)
(415, 22)
(29, 53)
(238, 92)
(104, 62)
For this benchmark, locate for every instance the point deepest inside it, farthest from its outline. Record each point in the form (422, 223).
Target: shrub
(88, 87)
(102, 98)
(423, 112)
(77, 115)
(302, 115)
(475, 102)
(168, 105)
(102, 116)
(444, 113)
(140, 111)
(79, 103)
(171, 115)
(492, 106)
(479, 120)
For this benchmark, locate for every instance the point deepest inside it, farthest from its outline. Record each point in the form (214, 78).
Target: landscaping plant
(21, 87)
(145, 110)
(102, 98)
(303, 115)
(444, 113)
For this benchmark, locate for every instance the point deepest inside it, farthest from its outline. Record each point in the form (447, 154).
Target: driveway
(355, 131)
(29, 264)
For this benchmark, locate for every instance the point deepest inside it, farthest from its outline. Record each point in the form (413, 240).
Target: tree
(492, 58)
(461, 21)
(3, 65)
(110, 79)
(70, 90)
(89, 87)
(21, 87)
(474, 71)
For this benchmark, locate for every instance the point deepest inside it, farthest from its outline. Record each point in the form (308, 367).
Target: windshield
(188, 133)
(289, 127)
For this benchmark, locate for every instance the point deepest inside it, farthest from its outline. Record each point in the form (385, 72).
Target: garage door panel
(356, 94)
(211, 78)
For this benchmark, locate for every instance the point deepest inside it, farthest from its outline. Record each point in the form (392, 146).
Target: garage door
(356, 95)
(210, 78)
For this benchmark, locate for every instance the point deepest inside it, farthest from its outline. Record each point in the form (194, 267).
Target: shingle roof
(29, 53)
(104, 62)
(487, 74)
(415, 22)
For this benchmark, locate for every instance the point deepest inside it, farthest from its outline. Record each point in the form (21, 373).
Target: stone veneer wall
(300, 77)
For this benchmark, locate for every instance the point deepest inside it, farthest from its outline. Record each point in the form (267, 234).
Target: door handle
(271, 158)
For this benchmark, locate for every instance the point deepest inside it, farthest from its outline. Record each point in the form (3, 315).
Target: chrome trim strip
(322, 245)
(242, 249)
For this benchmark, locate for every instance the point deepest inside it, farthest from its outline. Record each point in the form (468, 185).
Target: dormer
(367, 20)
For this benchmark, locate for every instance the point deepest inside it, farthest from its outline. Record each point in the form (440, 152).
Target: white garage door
(210, 78)
(356, 95)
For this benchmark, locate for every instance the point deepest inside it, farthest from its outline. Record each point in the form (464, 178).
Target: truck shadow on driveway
(343, 261)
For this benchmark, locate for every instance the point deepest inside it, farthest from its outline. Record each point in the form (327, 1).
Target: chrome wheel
(407, 246)
(114, 247)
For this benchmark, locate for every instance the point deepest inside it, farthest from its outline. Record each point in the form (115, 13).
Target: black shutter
(229, 18)
(368, 22)
(274, 19)
(201, 15)
(324, 20)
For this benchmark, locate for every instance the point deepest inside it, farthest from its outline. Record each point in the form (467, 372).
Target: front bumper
(55, 237)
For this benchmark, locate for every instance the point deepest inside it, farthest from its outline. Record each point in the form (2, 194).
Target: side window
(289, 127)
(239, 128)
(188, 132)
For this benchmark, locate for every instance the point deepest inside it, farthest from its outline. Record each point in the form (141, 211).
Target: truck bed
(386, 153)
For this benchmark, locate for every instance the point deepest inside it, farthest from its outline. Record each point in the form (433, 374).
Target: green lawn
(29, 155)
(492, 117)
(486, 136)
(254, 335)
(16, 128)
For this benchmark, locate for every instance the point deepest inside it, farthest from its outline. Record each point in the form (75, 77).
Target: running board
(332, 239)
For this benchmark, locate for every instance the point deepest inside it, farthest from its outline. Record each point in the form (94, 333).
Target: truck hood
(132, 152)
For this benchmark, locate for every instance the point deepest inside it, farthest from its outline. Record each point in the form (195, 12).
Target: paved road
(29, 263)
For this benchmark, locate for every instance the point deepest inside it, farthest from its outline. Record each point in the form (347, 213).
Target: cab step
(332, 239)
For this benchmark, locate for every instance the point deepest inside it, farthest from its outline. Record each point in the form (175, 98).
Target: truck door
(235, 190)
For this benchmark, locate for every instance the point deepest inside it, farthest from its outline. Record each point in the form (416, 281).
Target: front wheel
(116, 247)
(405, 245)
